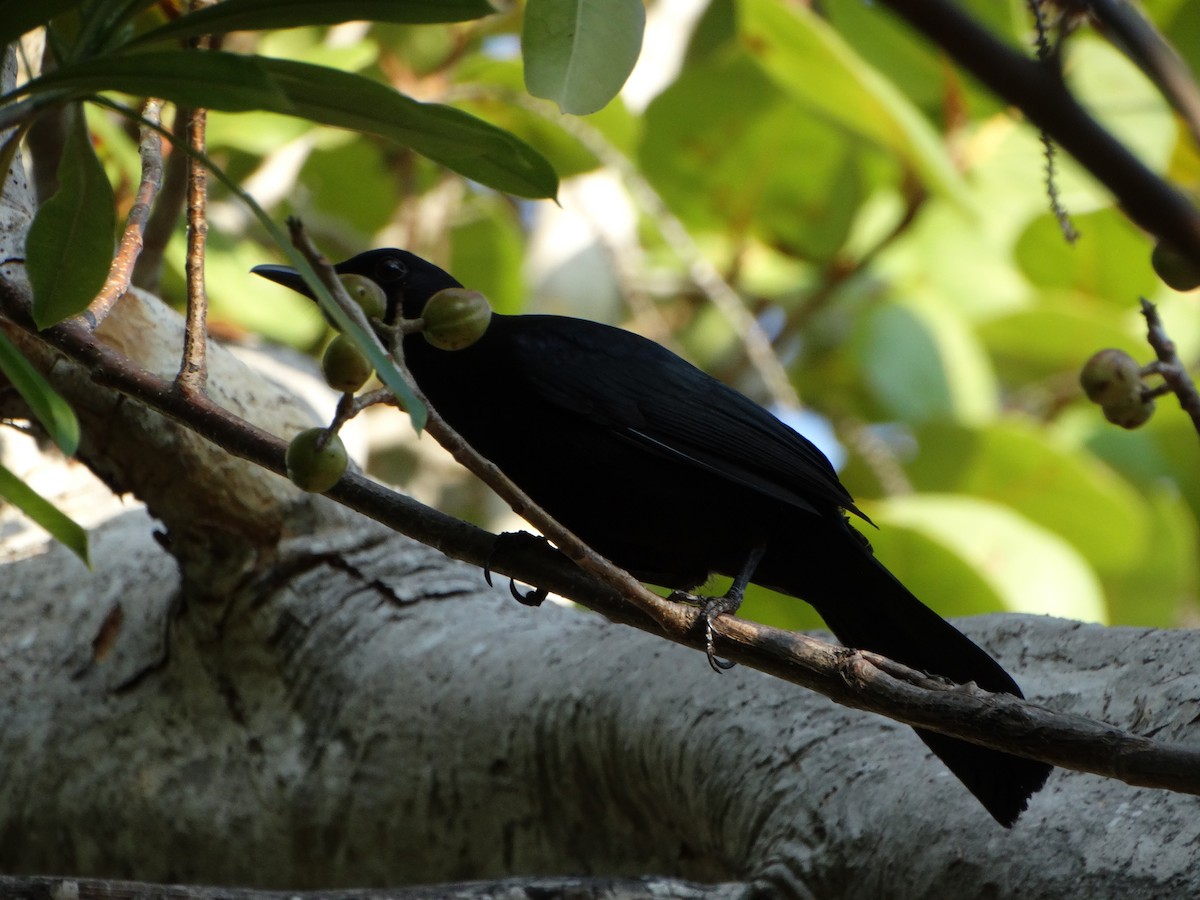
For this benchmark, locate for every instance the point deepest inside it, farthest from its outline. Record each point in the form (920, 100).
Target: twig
(147, 273)
(670, 616)
(1170, 367)
(121, 271)
(193, 370)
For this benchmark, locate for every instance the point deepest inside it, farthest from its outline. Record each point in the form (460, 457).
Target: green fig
(455, 318)
(314, 467)
(1111, 377)
(345, 367)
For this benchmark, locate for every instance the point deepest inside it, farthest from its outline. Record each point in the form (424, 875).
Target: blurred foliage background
(883, 224)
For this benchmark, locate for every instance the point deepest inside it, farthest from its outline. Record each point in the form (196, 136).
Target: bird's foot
(511, 542)
(710, 608)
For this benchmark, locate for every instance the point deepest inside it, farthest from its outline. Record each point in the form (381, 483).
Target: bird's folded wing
(657, 400)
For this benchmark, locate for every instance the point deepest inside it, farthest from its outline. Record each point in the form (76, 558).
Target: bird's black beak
(285, 275)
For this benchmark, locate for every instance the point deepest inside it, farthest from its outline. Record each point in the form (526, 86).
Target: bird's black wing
(650, 396)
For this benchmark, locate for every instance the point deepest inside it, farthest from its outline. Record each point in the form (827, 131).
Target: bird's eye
(390, 269)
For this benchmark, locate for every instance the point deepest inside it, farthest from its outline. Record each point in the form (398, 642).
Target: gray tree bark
(365, 712)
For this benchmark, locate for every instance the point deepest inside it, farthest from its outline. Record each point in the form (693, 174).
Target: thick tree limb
(365, 713)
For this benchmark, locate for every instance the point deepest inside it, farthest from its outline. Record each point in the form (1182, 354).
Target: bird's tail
(867, 608)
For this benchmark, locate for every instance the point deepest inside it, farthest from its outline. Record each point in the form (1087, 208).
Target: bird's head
(407, 280)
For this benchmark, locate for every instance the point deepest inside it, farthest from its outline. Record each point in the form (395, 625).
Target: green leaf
(725, 125)
(806, 57)
(1050, 482)
(259, 15)
(921, 362)
(1160, 591)
(47, 406)
(487, 252)
(232, 83)
(445, 135)
(62, 528)
(579, 53)
(1028, 567)
(1056, 336)
(20, 16)
(940, 574)
(70, 244)
(212, 80)
(1111, 259)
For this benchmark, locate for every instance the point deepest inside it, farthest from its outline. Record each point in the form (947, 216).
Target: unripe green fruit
(367, 294)
(1112, 378)
(1178, 270)
(1130, 413)
(345, 367)
(456, 318)
(314, 469)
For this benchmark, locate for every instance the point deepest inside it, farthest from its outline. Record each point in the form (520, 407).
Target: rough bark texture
(366, 713)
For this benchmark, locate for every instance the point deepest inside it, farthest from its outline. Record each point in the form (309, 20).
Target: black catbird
(672, 475)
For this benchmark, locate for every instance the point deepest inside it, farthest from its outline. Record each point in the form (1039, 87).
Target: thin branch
(171, 198)
(193, 371)
(1150, 201)
(121, 271)
(1170, 366)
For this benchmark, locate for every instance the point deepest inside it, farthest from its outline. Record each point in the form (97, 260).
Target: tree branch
(1040, 94)
(121, 271)
(1170, 366)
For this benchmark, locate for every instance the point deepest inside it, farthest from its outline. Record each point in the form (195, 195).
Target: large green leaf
(920, 362)
(1161, 590)
(213, 80)
(70, 244)
(1111, 259)
(47, 406)
(232, 83)
(1031, 569)
(446, 135)
(727, 148)
(939, 573)
(1055, 337)
(1049, 482)
(258, 15)
(578, 53)
(487, 252)
(807, 58)
(61, 527)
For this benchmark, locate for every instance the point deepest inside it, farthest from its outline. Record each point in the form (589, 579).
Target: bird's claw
(532, 597)
(535, 595)
(710, 608)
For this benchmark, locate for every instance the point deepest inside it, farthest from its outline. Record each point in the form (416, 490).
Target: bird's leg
(729, 602)
(508, 542)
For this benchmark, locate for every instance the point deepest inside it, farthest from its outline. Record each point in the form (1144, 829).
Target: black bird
(673, 475)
